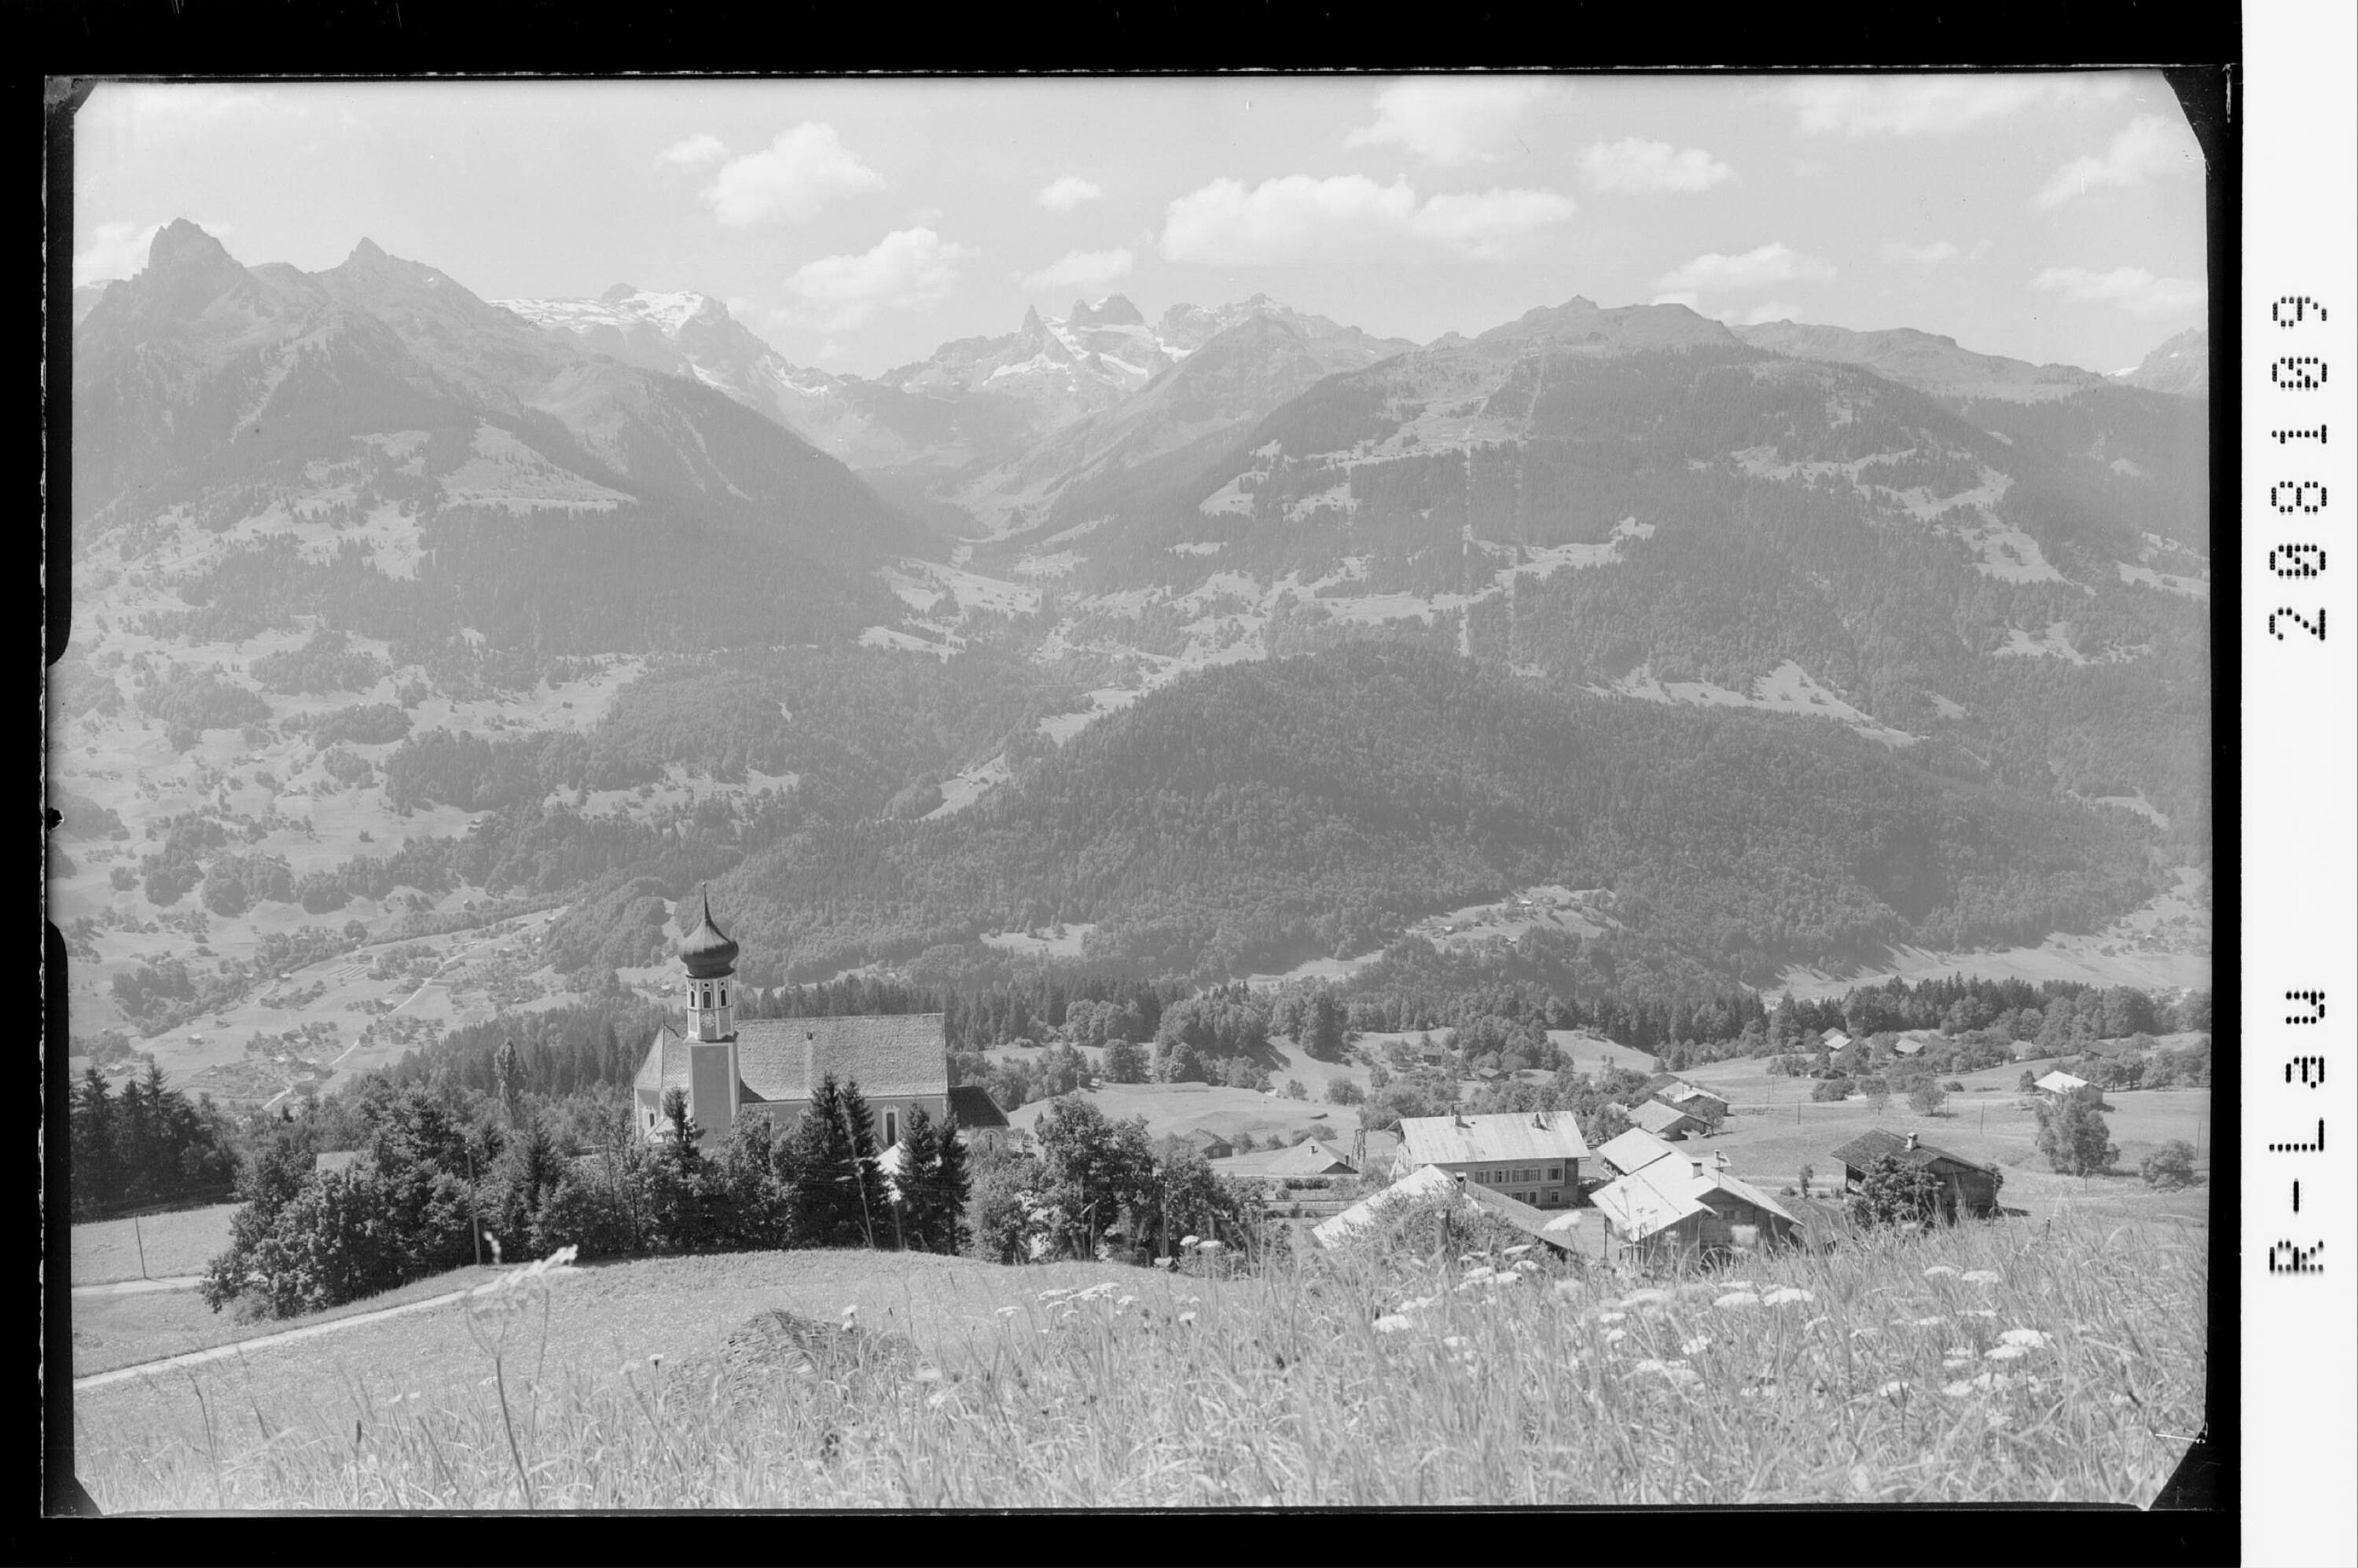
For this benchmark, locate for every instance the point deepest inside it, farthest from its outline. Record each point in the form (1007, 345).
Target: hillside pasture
(1988, 1364)
(180, 1242)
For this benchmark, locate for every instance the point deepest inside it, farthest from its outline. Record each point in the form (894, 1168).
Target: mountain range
(1977, 585)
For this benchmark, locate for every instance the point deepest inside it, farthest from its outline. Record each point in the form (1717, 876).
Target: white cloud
(694, 152)
(1759, 268)
(801, 171)
(2132, 288)
(1775, 310)
(1067, 194)
(1087, 271)
(906, 270)
(118, 250)
(1449, 119)
(1934, 106)
(1636, 164)
(1923, 256)
(1351, 218)
(1686, 296)
(2150, 146)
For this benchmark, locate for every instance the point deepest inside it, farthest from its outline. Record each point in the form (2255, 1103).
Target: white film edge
(2299, 757)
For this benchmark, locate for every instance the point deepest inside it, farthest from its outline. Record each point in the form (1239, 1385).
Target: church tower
(710, 959)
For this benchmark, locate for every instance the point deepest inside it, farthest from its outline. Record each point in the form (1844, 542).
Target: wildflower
(1696, 1346)
(1740, 1284)
(1454, 1342)
(1676, 1371)
(1978, 1312)
(1008, 1311)
(1391, 1323)
(655, 1360)
(1211, 1246)
(1891, 1389)
(1734, 1299)
(938, 1401)
(1933, 1321)
(1165, 1263)
(929, 1374)
(1125, 1300)
(1612, 1317)
(1187, 1317)
(1419, 1304)
(1786, 1293)
(2003, 1353)
(1518, 1251)
(1616, 1336)
(1639, 1298)
(1982, 1276)
(1938, 1268)
(1568, 1289)
(1190, 1241)
(1953, 1362)
(1813, 1322)
(2028, 1338)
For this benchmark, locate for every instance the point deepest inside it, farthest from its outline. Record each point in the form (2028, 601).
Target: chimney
(1911, 1140)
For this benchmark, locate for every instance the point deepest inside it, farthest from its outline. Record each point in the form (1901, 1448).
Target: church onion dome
(706, 950)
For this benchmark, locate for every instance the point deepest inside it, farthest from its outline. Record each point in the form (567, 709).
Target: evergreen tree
(836, 1184)
(681, 1132)
(97, 1172)
(507, 1076)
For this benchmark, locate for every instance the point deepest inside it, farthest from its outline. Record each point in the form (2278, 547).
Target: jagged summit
(1113, 310)
(366, 250)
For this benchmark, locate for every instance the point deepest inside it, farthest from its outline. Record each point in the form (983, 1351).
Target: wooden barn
(1967, 1186)
(1682, 1205)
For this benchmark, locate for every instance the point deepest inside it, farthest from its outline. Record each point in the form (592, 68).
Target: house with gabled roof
(1967, 1186)
(773, 1067)
(1687, 1205)
(1439, 1187)
(2059, 1082)
(1307, 1158)
(1632, 1150)
(1667, 1122)
(1531, 1155)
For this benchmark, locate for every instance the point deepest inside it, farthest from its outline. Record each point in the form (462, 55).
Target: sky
(856, 225)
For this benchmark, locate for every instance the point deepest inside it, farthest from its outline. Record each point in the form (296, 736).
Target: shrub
(1344, 1091)
(1895, 1192)
(1927, 1098)
(2171, 1166)
(2075, 1138)
(1826, 1089)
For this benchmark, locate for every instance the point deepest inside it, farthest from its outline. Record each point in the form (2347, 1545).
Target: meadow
(181, 1242)
(2000, 1362)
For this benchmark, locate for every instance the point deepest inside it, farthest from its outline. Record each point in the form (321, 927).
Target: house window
(1483, 1177)
(1555, 1172)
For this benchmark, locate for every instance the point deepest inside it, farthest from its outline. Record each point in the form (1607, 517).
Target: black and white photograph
(1219, 792)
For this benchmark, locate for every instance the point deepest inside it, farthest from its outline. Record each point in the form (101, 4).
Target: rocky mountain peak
(1113, 310)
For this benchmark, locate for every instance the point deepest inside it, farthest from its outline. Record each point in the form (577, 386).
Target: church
(772, 1067)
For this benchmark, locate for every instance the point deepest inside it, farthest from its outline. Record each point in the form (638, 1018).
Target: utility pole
(141, 1245)
(474, 1219)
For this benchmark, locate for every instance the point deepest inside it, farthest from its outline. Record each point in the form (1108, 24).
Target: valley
(337, 698)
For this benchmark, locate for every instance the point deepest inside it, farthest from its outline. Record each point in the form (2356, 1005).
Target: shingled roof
(889, 1055)
(1503, 1136)
(1633, 1150)
(1663, 1192)
(1868, 1147)
(1659, 1118)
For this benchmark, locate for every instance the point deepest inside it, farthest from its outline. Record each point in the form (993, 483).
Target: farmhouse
(1210, 1145)
(1913, 1042)
(1667, 1122)
(1692, 1098)
(2060, 1082)
(1835, 1040)
(1440, 1188)
(1632, 1150)
(1308, 1158)
(1687, 1206)
(1534, 1156)
(773, 1067)
(1967, 1186)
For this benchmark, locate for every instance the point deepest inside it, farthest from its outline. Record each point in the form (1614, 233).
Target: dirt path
(238, 1347)
(135, 1287)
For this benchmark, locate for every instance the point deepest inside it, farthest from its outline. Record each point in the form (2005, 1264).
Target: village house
(772, 1067)
(1631, 1150)
(1308, 1158)
(1967, 1186)
(1534, 1156)
(1680, 1205)
(1210, 1145)
(1913, 1043)
(2059, 1082)
(1667, 1122)
(1444, 1189)
(1692, 1098)
(1835, 1040)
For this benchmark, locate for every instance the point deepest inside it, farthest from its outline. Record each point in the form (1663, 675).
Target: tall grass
(1994, 1363)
